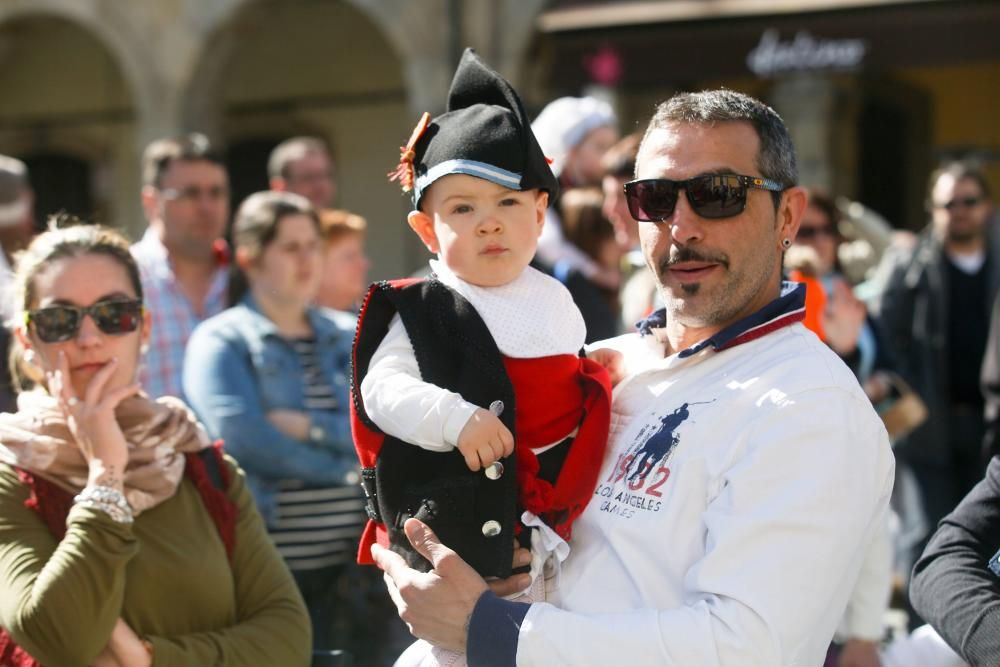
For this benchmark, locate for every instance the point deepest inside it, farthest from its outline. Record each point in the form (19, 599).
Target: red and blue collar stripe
(787, 309)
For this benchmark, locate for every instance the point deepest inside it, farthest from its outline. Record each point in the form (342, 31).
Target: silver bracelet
(107, 499)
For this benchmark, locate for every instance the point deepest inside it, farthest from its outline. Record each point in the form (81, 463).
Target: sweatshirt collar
(787, 309)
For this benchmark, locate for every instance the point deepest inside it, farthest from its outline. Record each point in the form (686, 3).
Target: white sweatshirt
(741, 543)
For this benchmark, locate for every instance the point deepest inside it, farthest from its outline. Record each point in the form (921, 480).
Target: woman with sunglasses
(269, 377)
(842, 319)
(125, 536)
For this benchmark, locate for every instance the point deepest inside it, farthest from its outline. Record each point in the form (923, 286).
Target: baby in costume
(473, 410)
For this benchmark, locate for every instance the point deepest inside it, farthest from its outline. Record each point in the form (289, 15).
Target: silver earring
(786, 243)
(29, 357)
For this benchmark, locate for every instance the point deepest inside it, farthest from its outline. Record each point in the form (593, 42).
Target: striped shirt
(317, 527)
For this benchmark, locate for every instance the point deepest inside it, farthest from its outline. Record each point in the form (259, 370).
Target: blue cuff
(493, 631)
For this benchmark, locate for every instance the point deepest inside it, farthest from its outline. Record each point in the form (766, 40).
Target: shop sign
(803, 53)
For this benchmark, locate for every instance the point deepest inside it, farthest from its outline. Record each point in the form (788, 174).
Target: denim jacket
(237, 368)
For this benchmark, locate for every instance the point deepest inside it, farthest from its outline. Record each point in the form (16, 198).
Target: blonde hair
(335, 224)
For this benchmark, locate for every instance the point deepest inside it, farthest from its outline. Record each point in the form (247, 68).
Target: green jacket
(167, 575)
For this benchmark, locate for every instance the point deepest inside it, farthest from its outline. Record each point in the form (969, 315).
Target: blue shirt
(238, 367)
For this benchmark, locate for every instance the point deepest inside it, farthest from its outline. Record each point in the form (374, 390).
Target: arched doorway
(67, 112)
(321, 68)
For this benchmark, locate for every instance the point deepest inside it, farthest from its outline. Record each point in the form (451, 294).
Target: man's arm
(785, 533)
(952, 586)
(990, 380)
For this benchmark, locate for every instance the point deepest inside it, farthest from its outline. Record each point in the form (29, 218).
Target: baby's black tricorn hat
(484, 133)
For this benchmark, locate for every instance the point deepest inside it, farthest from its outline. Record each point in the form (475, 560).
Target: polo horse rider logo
(661, 442)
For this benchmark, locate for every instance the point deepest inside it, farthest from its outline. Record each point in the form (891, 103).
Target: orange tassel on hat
(404, 170)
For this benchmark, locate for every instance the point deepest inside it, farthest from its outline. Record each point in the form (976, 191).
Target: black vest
(471, 513)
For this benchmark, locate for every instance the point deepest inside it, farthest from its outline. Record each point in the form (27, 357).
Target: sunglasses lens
(60, 323)
(716, 196)
(652, 200)
(116, 317)
(56, 324)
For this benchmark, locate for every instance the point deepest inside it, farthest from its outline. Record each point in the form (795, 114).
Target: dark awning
(671, 42)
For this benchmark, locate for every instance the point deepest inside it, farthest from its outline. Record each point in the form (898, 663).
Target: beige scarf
(159, 433)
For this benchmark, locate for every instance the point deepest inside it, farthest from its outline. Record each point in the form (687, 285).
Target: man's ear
(793, 205)
(423, 226)
(243, 258)
(21, 334)
(150, 202)
(541, 203)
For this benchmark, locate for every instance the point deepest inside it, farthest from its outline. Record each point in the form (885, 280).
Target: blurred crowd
(253, 317)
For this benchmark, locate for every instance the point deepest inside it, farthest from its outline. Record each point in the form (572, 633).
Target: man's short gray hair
(776, 156)
(293, 150)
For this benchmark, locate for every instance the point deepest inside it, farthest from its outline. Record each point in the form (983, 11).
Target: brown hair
(335, 224)
(66, 237)
(583, 223)
(619, 160)
(292, 150)
(160, 154)
(256, 226)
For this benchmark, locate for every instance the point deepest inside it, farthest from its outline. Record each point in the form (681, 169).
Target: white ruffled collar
(531, 316)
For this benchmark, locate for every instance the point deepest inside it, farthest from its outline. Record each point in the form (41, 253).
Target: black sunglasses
(711, 196)
(56, 324)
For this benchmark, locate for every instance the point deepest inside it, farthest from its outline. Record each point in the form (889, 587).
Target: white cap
(564, 123)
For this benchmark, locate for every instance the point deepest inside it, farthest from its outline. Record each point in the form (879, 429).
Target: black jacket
(953, 587)
(912, 312)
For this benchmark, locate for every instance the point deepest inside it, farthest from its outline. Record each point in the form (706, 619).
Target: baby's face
(485, 233)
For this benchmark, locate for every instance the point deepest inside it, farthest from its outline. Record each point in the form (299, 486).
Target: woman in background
(345, 266)
(269, 377)
(586, 229)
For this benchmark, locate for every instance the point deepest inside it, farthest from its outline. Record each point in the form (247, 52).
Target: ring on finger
(72, 401)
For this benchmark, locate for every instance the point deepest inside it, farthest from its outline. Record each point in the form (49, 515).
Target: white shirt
(742, 542)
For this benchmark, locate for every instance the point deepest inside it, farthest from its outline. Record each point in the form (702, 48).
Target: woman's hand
(843, 318)
(91, 420)
(124, 649)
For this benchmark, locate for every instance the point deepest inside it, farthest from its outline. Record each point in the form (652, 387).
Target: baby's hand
(484, 439)
(612, 361)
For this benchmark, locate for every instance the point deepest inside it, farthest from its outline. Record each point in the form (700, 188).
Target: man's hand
(859, 653)
(484, 439)
(436, 606)
(613, 362)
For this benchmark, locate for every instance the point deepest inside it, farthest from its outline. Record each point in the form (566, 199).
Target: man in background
(182, 257)
(303, 165)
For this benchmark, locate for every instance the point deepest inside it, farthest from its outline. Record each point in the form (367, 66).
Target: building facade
(875, 91)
